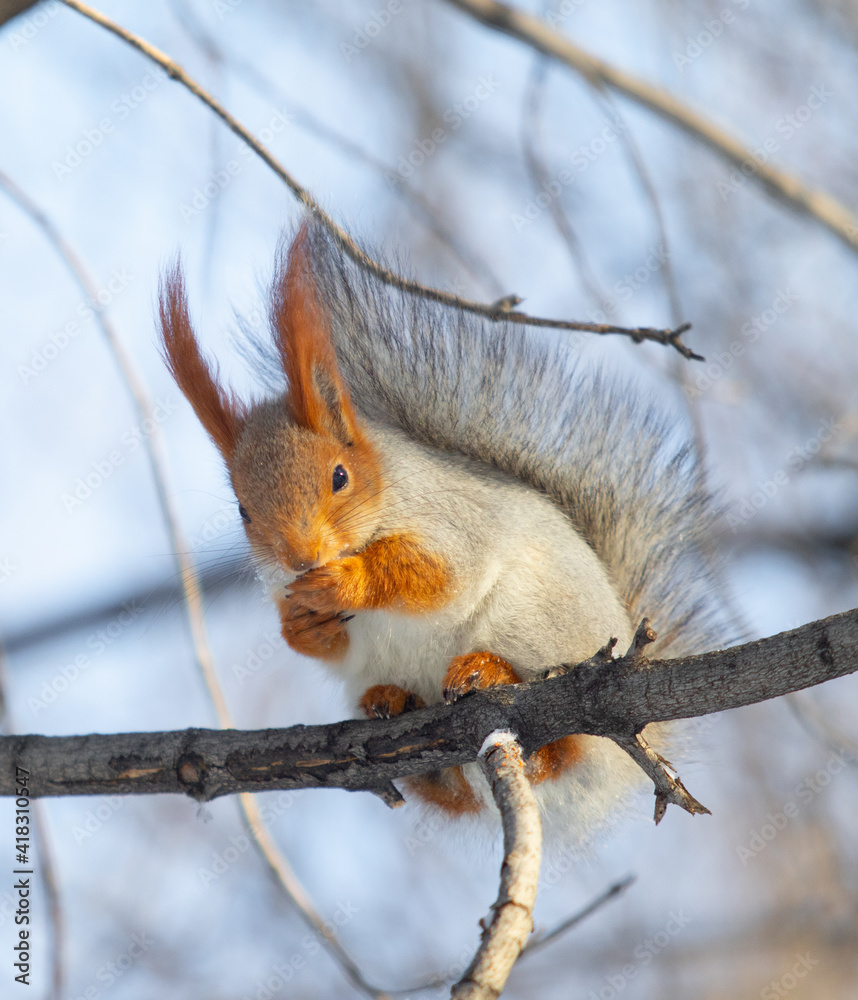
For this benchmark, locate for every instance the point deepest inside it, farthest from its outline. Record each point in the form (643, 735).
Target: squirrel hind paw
(475, 671)
(384, 701)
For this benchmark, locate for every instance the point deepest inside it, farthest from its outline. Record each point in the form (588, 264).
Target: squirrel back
(513, 398)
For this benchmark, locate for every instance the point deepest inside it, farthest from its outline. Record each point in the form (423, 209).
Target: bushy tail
(514, 398)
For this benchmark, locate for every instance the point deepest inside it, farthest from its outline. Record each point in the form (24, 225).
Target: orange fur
(447, 789)
(302, 334)
(316, 635)
(475, 671)
(391, 572)
(217, 408)
(384, 701)
(549, 762)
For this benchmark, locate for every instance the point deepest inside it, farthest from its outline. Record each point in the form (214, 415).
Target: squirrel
(439, 503)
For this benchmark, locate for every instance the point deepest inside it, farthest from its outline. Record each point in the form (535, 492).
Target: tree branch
(601, 696)
(501, 311)
(819, 205)
(12, 8)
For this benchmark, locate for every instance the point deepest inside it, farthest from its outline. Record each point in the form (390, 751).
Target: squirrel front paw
(384, 701)
(475, 671)
(311, 633)
(330, 589)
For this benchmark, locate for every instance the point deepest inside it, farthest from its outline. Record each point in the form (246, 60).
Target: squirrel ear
(218, 409)
(317, 399)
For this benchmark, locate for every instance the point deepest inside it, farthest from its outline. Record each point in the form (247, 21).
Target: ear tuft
(317, 399)
(218, 409)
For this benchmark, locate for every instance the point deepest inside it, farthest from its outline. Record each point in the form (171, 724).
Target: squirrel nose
(302, 565)
(295, 560)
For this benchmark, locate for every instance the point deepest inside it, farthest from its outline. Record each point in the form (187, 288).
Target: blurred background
(490, 172)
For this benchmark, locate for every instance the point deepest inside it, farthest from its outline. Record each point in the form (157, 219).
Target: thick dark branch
(614, 698)
(12, 8)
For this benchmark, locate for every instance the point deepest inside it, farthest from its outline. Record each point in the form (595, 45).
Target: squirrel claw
(384, 701)
(476, 671)
(465, 686)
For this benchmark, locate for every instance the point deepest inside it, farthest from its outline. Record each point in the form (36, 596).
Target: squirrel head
(307, 479)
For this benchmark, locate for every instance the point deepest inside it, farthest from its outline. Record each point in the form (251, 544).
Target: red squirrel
(439, 504)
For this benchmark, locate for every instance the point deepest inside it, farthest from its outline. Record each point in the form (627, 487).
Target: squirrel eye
(244, 515)
(339, 479)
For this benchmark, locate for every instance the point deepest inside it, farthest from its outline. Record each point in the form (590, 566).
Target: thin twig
(478, 268)
(496, 312)
(539, 940)
(531, 130)
(816, 204)
(191, 590)
(507, 930)
(638, 164)
(668, 786)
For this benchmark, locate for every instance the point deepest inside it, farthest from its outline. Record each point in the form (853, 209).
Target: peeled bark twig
(506, 931)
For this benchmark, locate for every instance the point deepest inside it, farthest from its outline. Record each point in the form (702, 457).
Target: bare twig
(531, 129)
(496, 312)
(511, 922)
(668, 787)
(641, 171)
(818, 205)
(470, 260)
(539, 940)
(153, 443)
